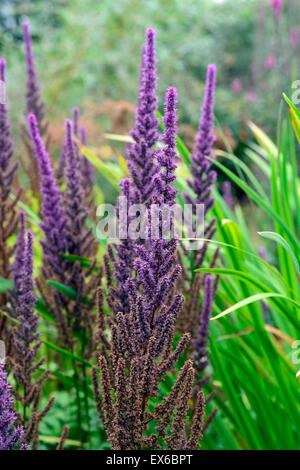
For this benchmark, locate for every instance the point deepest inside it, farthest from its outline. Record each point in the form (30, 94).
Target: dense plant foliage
(143, 343)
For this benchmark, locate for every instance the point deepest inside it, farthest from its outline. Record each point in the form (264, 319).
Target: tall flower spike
(145, 133)
(26, 332)
(86, 166)
(75, 113)
(19, 253)
(203, 177)
(76, 214)
(201, 339)
(53, 223)
(11, 436)
(6, 147)
(63, 154)
(157, 265)
(166, 157)
(201, 184)
(140, 161)
(27, 299)
(34, 104)
(26, 346)
(8, 216)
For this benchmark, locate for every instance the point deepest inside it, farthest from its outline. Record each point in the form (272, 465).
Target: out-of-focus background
(88, 55)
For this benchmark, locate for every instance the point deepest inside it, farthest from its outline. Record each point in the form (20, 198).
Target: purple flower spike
(8, 216)
(2, 69)
(6, 145)
(11, 436)
(140, 162)
(75, 194)
(201, 185)
(19, 253)
(26, 298)
(145, 133)
(53, 223)
(34, 104)
(205, 137)
(146, 123)
(26, 345)
(203, 178)
(201, 341)
(166, 157)
(75, 114)
(87, 167)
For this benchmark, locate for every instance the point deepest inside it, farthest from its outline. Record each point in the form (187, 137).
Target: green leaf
(261, 202)
(84, 262)
(120, 138)
(5, 284)
(294, 115)
(55, 440)
(42, 309)
(252, 299)
(263, 139)
(28, 210)
(9, 317)
(279, 239)
(234, 233)
(234, 272)
(66, 353)
(183, 151)
(68, 291)
(105, 170)
(181, 147)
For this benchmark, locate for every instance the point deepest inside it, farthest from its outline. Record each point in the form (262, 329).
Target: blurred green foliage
(90, 51)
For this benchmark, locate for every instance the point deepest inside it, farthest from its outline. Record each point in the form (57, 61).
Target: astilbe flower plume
(54, 221)
(201, 339)
(140, 161)
(8, 215)
(138, 355)
(16, 269)
(65, 233)
(166, 157)
(34, 105)
(11, 435)
(86, 167)
(201, 186)
(203, 176)
(80, 240)
(54, 227)
(26, 345)
(156, 262)
(17, 266)
(140, 158)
